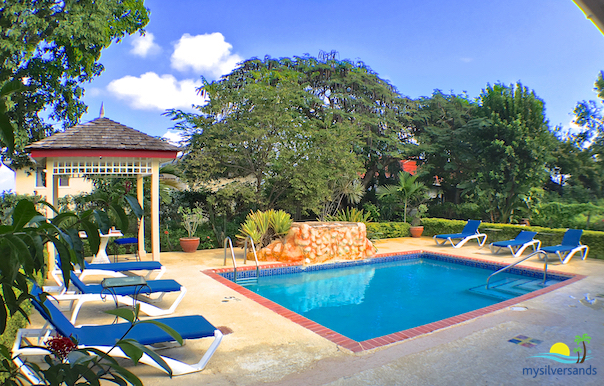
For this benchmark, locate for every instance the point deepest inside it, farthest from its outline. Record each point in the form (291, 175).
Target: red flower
(61, 346)
(166, 232)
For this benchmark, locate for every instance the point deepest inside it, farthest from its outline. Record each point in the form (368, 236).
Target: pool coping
(384, 340)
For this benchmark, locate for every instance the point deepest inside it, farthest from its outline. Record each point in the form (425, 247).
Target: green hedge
(548, 236)
(13, 324)
(387, 230)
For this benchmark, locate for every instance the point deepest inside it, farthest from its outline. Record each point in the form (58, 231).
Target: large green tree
(356, 97)
(510, 142)
(299, 127)
(579, 158)
(48, 49)
(438, 126)
(258, 124)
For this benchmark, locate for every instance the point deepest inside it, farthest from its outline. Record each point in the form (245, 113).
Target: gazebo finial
(102, 112)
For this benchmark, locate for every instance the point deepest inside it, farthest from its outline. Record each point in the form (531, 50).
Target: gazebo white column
(155, 210)
(52, 197)
(140, 196)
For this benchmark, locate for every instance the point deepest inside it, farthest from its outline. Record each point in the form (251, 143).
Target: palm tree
(578, 350)
(407, 190)
(582, 339)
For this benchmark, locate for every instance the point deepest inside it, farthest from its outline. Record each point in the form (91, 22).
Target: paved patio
(266, 348)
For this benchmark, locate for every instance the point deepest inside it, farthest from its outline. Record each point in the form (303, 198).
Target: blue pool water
(370, 300)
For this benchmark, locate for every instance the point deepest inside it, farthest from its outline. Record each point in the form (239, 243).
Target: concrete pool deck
(266, 348)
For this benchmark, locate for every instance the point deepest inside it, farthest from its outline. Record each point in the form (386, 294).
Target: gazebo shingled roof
(102, 133)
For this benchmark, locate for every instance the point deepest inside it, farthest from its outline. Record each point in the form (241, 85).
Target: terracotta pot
(189, 244)
(416, 231)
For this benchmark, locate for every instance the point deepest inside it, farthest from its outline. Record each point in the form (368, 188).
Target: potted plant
(191, 218)
(416, 228)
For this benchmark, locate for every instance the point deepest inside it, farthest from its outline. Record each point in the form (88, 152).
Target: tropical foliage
(264, 227)
(22, 242)
(191, 218)
(303, 129)
(350, 215)
(47, 50)
(407, 192)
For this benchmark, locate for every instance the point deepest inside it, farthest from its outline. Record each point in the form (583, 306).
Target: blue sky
(458, 47)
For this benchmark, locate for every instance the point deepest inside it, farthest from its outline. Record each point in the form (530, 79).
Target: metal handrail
(520, 261)
(255, 255)
(232, 255)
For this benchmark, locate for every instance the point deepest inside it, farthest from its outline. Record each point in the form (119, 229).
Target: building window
(40, 178)
(63, 181)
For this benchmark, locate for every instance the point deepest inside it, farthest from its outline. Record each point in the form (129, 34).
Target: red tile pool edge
(380, 341)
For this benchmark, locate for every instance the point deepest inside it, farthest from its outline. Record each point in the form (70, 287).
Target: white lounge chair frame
(464, 240)
(565, 258)
(146, 308)
(31, 341)
(519, 248)
(57, 275)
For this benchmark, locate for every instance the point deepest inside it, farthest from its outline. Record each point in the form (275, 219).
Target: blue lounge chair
(112, 270)
(469, 232)
(125, 241)
(123, 268)
(517, 246)
(103, 337)
(123, 295)
(571, 244)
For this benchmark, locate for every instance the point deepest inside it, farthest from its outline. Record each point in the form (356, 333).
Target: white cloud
(209, 54)
(7, 179)
(466, 60)
(174, 137)
(153, 92)
(144, 46)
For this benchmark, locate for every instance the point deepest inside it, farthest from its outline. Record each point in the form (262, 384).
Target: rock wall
(316, 242)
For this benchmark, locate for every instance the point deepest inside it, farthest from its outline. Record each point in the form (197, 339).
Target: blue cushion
(126, 240)
(454, 236)
(572, 237)
(126, 266)
(471, 227)
(54, 316)
(509, 243)
(522, 238)
(189, 327)
(153, 286)
(558, 248)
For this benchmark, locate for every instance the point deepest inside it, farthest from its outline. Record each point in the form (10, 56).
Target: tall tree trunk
(584, 352)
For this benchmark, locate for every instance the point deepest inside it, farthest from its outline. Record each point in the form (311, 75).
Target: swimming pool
(383, 296)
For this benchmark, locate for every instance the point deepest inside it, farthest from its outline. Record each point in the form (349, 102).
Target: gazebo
(103, 147)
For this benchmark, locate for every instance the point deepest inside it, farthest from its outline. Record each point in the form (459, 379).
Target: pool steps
(508, 288)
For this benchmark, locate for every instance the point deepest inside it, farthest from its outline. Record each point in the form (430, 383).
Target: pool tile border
(225, 276)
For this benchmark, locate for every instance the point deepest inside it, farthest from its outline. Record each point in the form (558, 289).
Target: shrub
(387, 230)
(350, 215)
(264, 227)
(456, 211)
